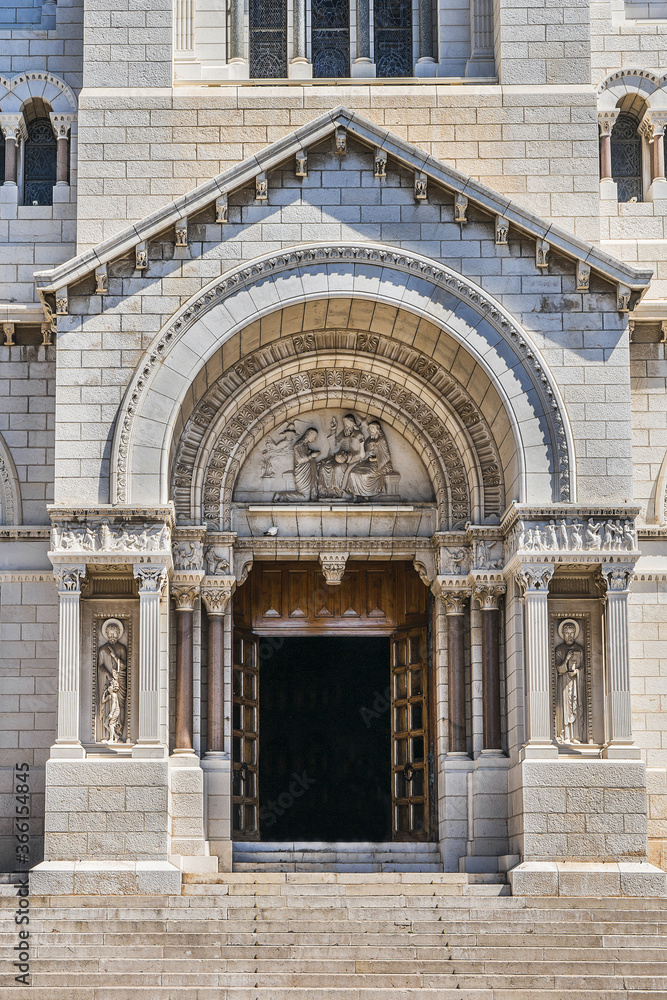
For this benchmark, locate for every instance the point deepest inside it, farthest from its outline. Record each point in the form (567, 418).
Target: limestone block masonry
(352, 340)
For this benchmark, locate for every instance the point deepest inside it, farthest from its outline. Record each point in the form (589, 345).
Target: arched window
(330, 20)
(393, 37)
(39, 169)
(268, 39)
(626, 157)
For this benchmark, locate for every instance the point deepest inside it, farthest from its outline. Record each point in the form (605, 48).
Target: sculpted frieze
(572, 534)
(106, 537)
(188, 554)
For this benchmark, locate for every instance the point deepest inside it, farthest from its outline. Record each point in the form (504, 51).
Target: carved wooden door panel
(245, 736)
(409, 735)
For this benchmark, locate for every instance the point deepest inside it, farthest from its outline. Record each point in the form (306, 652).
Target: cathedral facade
(333, 438)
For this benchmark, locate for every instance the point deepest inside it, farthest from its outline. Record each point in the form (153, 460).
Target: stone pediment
(631, 283)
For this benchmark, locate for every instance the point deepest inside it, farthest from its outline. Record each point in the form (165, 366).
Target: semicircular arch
(11, 511)
(461, 310)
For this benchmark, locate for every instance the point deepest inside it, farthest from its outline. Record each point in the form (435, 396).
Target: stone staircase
(297, 856)
(337, 936)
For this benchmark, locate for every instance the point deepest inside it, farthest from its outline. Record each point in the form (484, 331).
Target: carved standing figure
(112, 668)
(332, 472)
(304, 470)
(571, 697)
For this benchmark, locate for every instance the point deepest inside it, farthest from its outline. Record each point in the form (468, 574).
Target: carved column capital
(454, 601)
(488, 597)
(533, 578)
(615, 577)
(152, 578)
(69, 579)
(185, 595)
(216, 594)
(607, 120)
(13, 126)
(333, 566)
(61, 124)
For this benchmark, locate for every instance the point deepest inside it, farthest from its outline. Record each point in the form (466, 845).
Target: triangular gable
(631, 282)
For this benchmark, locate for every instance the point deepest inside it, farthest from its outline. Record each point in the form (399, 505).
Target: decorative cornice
(340, 121)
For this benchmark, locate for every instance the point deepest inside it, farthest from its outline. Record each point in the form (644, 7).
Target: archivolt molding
(225, 414)
(36, 83)
(383, 257)
(10, 493)
(660, 505)
(633, 80)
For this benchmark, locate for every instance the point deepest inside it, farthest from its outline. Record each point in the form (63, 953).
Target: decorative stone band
(380, 256)
(217, 592)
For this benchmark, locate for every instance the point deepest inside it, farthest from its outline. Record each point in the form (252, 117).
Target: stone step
(306, 856)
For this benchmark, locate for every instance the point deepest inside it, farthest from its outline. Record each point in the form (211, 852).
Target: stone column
(363, 64)
(606, 122)
(534, 580)
(653, 127)
(216, 595)
(61, 128)
(616, 579)
(13, 130)
(488, 599)
(426, 64)
(455, 603)
(481, 62)
(237, 31)
(67, 742)
(184, 597)
(152, 579)
(299, 61)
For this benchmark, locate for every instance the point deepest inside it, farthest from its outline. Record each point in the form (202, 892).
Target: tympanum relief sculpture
(334, 456)
(571, 694)
(112, 681)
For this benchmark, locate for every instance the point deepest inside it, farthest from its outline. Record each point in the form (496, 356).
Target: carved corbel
(380, 163)
(62, 302)
(221, 209)
(141, 256)
(216, 593)
(301, 163)
(583, 276)
(261, 187)
(8, 330)
(421, 186)
(333, 566)
(502, 231)
(460, 208)
(340, 146)
(101, 280)
(623, 294)
(542, 253)
(47, 335)
(182, 233)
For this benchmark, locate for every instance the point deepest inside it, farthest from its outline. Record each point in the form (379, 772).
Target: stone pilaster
(616, 578)
(152, 580)
(533, 580)
(67, 742)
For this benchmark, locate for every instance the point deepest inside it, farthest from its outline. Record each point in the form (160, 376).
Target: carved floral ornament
(242, 427)
(383, 257)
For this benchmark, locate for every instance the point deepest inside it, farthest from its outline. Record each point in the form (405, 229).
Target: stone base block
(614, 878)
(222, 850)
(196, 864)
(105, 878)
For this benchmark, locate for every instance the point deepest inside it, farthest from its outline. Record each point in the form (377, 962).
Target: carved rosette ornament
(333, 567)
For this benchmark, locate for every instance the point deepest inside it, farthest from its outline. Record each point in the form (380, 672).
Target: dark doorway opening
(325, 739)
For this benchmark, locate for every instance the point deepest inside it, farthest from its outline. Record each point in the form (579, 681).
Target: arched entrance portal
(332, 736)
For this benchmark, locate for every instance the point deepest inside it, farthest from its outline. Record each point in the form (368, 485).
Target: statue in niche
(305, 469)
(570, 684)
(112, 681)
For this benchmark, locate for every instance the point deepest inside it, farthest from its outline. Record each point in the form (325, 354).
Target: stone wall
(28, 685)
(648, 369)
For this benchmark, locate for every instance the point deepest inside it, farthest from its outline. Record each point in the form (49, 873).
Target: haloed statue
(570, 684)
(112, 682)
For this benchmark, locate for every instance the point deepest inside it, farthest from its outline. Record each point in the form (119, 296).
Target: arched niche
(472, 334)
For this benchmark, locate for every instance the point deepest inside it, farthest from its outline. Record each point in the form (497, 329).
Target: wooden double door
(340, 747)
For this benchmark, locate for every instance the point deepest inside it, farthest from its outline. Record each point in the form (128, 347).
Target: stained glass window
(40, 163)
(626, 158)
(331, 37)
(268, 39)
(393, 37)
